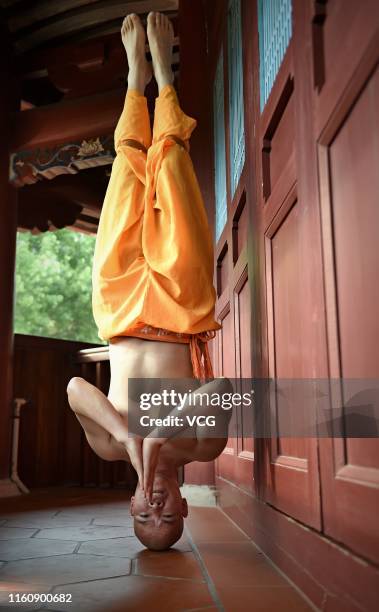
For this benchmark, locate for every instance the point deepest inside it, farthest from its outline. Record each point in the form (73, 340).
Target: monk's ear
(184, 507)
(132, 505)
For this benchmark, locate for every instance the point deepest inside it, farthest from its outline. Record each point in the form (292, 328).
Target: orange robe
(153, 261)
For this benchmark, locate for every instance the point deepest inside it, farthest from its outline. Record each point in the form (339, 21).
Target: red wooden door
(290, 270)
(346, 101)
(297, 261)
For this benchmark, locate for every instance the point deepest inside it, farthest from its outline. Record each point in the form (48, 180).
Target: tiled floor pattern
(81, 542)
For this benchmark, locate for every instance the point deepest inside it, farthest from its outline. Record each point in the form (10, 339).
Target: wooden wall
(296, 274)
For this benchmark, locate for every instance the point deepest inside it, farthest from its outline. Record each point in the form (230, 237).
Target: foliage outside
(54, 287)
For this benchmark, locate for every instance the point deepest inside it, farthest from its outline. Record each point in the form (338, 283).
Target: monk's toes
(134, 19)
(159, 21)
(130, 22)
(165, 22)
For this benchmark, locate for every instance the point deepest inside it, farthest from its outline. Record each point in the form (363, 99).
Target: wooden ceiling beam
(75, 81)
(87, 17)
(103, 31)
(73, 120)
(68, 53)
(83, 189)
(88, 219)
(83, 227)
(73, 201)
(91, 212)
(42, 11)
(112, 28)
(36, 62)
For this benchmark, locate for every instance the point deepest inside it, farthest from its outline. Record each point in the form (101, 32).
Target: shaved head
(158, 523)
(159, 538)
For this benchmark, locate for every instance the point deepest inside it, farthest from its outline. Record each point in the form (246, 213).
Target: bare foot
(134, 39)
(160, 34)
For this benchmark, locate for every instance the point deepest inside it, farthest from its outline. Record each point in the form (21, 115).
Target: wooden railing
(52, 446)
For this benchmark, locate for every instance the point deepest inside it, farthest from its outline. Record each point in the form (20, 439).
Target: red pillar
(8, 230)
(195, 98)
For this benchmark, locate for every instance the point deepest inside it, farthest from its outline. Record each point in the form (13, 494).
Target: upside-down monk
(153, 296)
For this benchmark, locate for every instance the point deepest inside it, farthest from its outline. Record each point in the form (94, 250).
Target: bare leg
(160, 33)
(105, 429)
(118, 263)
(134, 39)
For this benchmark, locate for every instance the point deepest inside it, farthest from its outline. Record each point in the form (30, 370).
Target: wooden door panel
(282, 142)
(354, 179)
(292, 468)
(226, 367)
(348, 42)
(240, 230)
(245, 442)
(287, 297)
(349, 186)
(222, 270)
(242, 310)
(277, 134)
(291, 463)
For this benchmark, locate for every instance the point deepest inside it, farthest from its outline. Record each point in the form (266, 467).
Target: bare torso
(137, 358)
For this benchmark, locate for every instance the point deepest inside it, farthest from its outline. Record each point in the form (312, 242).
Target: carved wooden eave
(28, 167)
(72, 71)
(67, 201)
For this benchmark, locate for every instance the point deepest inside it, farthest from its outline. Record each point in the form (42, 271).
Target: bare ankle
(136, 82)
(160, 34)
(163, 79)
(134, 39)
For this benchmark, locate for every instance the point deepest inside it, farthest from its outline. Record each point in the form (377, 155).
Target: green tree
(53, 285)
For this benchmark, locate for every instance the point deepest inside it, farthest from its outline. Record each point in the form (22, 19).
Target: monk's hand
(133, 446)
(150, 452)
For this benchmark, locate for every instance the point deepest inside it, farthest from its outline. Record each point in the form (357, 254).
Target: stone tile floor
(80, 542)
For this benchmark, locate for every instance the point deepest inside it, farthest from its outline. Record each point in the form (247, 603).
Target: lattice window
(219, 147)
(275, 31)
(236, 105)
